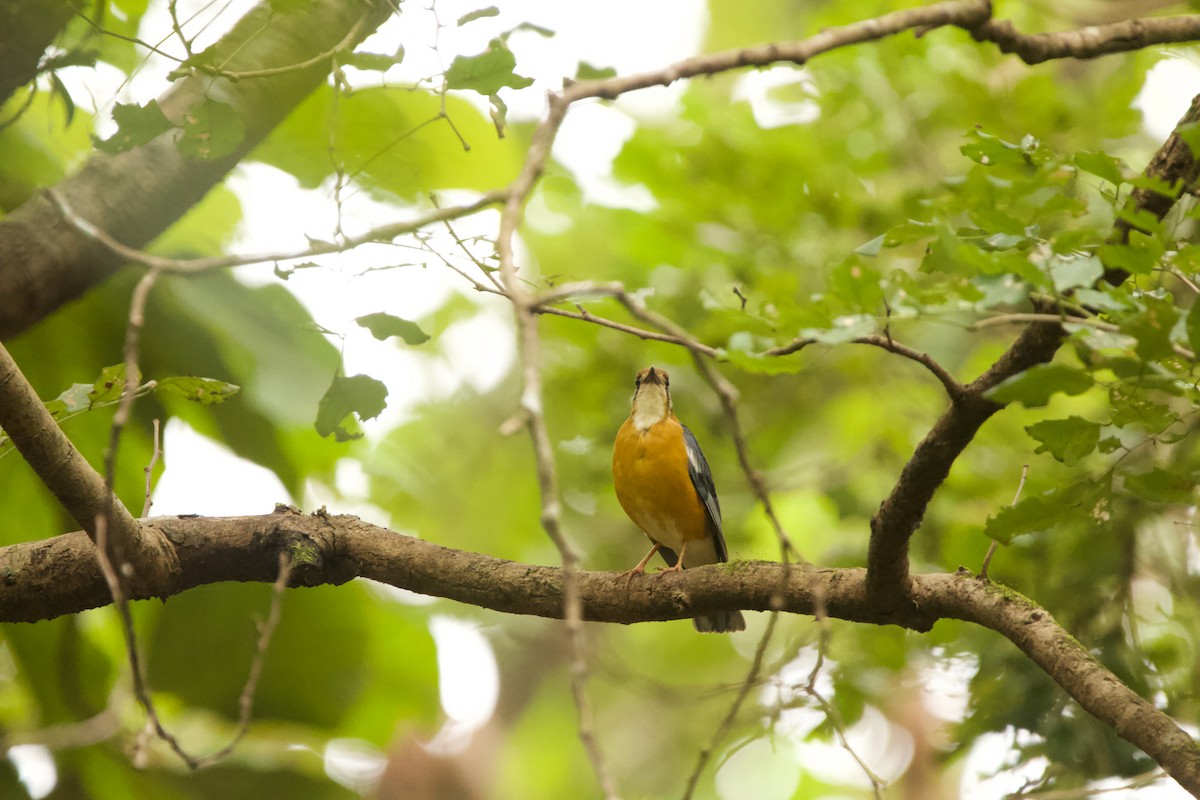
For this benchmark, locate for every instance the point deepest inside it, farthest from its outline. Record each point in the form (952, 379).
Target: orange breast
(650, 475)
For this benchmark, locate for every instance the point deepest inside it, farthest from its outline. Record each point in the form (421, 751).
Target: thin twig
(265, 632)
(380, 234)
(140, 689)
(529, 355)
(821, 618)
(987, 559)
(150, 469)
(345, 44)
(748, 684)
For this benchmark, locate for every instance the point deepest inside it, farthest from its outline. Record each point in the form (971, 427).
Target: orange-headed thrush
(665, 486)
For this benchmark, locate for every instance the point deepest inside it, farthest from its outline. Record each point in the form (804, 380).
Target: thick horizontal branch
(59, 576)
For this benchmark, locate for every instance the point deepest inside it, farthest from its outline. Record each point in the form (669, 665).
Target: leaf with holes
(204, 391)
(211, 130)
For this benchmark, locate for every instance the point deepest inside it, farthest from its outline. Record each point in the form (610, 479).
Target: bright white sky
(278, 216)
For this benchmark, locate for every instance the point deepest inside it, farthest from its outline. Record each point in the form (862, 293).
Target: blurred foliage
(913, 185)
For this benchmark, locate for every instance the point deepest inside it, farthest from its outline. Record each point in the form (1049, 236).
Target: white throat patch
(651, 405)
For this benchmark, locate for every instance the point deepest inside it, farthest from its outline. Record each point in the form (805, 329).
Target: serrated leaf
(1039, 512)
(1102, 165)
(1067, 440)
(587, 72)
(490, 11)
(1035, 386)
(384, 326)
(136, 125)
(211, 130)
(349, 400)
(1162, 486)
(205, 391)
(487, 72)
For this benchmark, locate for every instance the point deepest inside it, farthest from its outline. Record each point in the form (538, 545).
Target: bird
(664, 483)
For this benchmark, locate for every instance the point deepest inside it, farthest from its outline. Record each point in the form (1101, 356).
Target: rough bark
(59, 576)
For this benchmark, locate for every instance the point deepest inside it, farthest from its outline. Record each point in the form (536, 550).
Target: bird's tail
(720, 622)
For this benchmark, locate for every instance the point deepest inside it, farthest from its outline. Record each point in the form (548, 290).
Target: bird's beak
(654, 376)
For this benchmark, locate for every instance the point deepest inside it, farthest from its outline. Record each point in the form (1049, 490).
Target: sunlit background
(479, 352)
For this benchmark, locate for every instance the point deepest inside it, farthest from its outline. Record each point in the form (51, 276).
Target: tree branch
(1089, 42)
(135, 195)
(901, 512)
(76, 484)
(49, 578)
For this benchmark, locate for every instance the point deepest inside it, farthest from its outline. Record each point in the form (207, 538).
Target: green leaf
(1132, 408)
(1074, 273)
(1152, 329)
(1035, 386)
(136, 125)
(1102, 165)
(383, 326)
(109, 386)
(205, 391)
(587, 72)
(1068, 440)
(211, 130)
(349, 400)
(760, 364)
(1162, 486)
(488, 72)
(1193, 327)
(1040, 512)
(872, 247)
(490, 11)
(844, 329)
(376, 62)
(983, 148)
(1139, 257)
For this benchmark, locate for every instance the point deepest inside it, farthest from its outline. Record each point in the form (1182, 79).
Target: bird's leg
(641, 567)
(678, 564)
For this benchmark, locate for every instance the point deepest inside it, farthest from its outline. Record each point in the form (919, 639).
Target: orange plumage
(663, 482)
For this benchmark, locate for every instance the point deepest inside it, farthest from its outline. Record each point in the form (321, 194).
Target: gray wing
(702, 479)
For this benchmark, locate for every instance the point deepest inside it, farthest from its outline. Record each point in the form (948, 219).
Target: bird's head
(651, 397)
